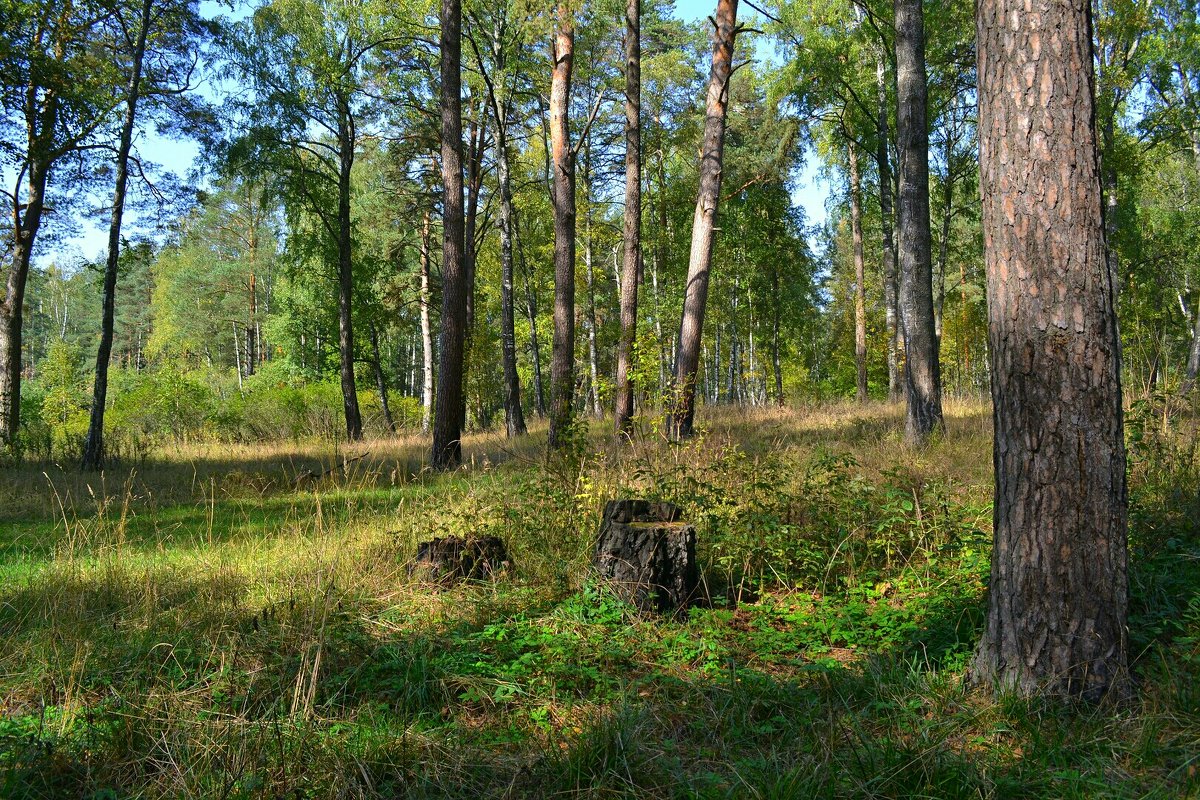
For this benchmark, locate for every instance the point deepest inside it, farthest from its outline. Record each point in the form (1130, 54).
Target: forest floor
(207, 624)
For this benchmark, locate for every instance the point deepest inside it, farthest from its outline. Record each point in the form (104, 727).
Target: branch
(588, 127)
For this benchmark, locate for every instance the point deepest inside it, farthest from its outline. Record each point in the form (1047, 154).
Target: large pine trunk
(704, 222)
(448, 412)
(1058, 596)
(562, 356)
(922, 375)
(623, 415)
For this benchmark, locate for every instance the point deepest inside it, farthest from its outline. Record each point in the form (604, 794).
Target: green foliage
(64, 399)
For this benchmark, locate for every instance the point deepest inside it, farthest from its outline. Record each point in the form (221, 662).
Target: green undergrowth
(268, 642)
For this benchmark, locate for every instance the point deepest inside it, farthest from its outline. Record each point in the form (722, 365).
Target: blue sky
(811, 191)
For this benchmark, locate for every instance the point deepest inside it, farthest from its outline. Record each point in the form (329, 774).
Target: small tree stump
(648, 554)
(450, 558)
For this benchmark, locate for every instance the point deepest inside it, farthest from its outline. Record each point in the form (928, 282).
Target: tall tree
(860, 277)
(704, 219)
(632, 233)
(448, 417)
(173, 28)
(562, 356)
(56, 95)
(497, 79)
(311, 64)
(1058, 598)
(891, 288)
(922, 374)
(425, 301)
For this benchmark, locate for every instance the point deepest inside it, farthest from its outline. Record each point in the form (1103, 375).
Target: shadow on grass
(330, 695)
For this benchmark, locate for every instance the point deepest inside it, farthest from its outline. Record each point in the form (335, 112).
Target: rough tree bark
(562, 356)
(1058, 599)
(632, 234)
(683, 411)
(448, 414)
(93, 446)
(860, 297)
(922, 375)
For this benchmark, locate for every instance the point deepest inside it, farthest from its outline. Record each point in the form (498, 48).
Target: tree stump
(648, 554)
(451, 558)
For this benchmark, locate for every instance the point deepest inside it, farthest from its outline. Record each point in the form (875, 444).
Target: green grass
(203, 626)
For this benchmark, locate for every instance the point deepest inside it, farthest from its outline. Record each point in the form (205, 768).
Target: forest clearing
(477, 398)
(200, 626)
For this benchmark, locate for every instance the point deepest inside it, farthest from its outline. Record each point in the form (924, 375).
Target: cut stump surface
(648, 554)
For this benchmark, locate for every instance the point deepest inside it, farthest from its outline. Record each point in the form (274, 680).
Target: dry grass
(202, 625)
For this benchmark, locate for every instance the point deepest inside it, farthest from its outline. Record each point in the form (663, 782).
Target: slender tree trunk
(514, 416)
(714, 380)
(632, 233)
(776, 361)
(381, 381)
(1058, 598)
(474, 168)
(704, 220)
(535, 350)
(752, 364)
(860, 299)
(735, 359)
(237, 365)
(93, 448)
(593, 354)
(890, 284)
(475, 153)
(562, 360)
(426, 330)
(922, 375)
(347, 137)
(1108, 185)
(590, 277)
(939, 296)
(252, 349)
(659, 261)
(1193, 362)
(447, 427)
